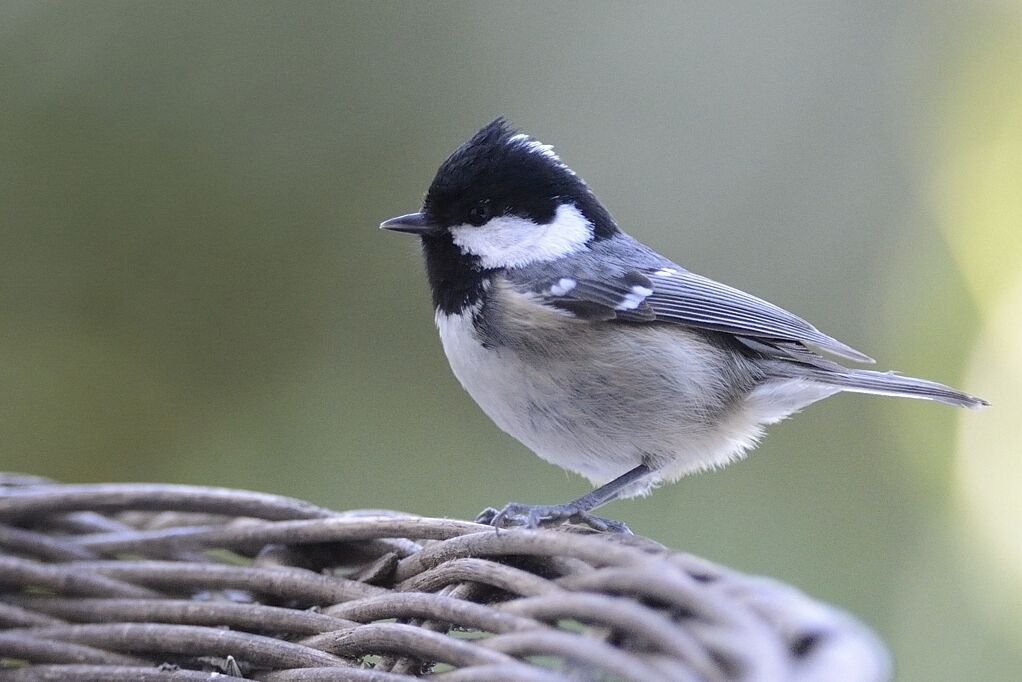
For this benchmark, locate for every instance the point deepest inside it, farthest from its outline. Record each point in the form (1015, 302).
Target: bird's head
(506, 200)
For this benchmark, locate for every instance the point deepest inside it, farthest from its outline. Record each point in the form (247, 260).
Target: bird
(597, 353)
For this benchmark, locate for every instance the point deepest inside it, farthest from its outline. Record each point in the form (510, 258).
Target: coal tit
(596, 352)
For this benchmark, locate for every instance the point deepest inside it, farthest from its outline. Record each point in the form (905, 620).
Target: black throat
(455, 279)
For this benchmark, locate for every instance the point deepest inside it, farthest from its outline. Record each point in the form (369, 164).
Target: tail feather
(889, 383)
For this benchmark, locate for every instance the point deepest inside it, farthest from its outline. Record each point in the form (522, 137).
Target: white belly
(642, 399)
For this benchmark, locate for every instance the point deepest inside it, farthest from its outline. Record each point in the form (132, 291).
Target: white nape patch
(535, 146)
(634, 298)
(666, 272)
(563, 286)
(512, 241)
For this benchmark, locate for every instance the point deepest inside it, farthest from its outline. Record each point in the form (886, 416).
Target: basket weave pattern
(154, 582)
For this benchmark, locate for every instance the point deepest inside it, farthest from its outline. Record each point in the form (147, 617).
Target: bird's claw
(537, 516)
(486, 516)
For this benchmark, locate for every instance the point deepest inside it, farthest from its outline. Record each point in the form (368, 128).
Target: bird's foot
(539, 515)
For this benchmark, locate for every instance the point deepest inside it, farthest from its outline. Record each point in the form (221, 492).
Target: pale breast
(598, 399)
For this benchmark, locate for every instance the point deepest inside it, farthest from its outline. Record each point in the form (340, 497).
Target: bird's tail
(889, 383)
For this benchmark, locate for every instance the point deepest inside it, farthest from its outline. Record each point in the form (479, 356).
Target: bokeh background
(193, 288)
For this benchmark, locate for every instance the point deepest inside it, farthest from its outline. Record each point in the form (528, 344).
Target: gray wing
(671, 294)
(698, 301)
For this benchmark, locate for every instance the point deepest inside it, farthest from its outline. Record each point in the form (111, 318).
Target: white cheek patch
(513, 241)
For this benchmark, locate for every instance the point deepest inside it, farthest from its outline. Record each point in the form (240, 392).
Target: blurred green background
(193, 288)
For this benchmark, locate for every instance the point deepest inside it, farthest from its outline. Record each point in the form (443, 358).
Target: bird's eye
(480, 213)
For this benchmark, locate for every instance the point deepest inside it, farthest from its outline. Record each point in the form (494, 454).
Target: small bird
(594, 351)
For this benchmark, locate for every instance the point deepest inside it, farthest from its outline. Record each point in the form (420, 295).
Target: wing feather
(671, 294)
(688, 298)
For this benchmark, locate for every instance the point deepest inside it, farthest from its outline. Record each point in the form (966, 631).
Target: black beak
(413, 223)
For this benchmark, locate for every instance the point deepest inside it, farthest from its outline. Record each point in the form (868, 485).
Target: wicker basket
(169, 582)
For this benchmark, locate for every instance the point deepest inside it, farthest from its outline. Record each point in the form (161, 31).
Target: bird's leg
(534, 516)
